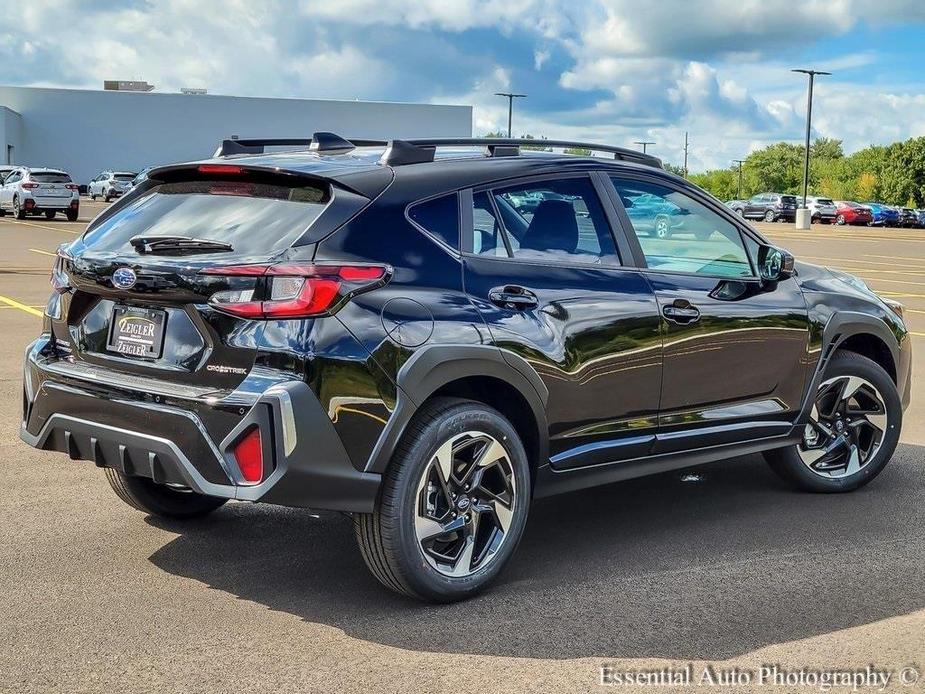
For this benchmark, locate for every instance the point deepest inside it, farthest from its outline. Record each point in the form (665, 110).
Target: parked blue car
(884, 215)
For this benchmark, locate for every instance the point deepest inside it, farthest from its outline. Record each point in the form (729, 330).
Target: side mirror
(774, 264)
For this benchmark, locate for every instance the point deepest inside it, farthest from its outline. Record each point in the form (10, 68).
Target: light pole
(809, 120)
(510, 106)
(739, 187)
(644, 144)
(685, 154)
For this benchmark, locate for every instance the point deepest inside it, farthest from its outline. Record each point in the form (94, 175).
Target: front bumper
(187, 438)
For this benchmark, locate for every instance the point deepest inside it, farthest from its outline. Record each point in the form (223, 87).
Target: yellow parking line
(22, 307)
(38, 250)
(43, 226)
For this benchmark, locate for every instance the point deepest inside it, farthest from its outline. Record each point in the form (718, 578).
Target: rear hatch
(50, 185)
(138, 283)
(121, 181)
(788, 202)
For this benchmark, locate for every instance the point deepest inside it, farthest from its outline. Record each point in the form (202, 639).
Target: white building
(85, 132)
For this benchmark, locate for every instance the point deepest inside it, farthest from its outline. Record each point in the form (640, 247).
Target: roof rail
(509, 146)
(422, 150)
(319, 142)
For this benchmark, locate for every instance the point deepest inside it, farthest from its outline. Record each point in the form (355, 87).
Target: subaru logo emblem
(124, 278)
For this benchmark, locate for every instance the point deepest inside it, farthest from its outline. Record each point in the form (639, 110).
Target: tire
(160, 500)
(815, 220)
(740, 212)
(107, 199)
(390, 539)
(18, 212)
(840, 220)
(769, 216)
(793, 463)
(49, 214)
(662, 227)
(93, 197)
(71, 215)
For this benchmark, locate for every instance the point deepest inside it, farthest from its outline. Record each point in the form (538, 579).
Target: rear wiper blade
(177, 244)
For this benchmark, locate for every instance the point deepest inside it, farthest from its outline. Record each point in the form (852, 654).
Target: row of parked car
(777, 207)
(45, 191)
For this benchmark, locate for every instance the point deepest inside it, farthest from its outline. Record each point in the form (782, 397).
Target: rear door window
(559, 220)
(256, 218)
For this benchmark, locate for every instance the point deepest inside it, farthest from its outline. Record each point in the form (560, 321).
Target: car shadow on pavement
(655, 568)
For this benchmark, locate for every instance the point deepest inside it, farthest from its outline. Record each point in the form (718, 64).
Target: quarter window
(440, 217)
(678, 233)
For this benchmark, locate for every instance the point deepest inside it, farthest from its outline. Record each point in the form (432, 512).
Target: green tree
(578, 151)
(826, 148)
(777, 168)
(722, 183)
(494, 133)
(673, 168)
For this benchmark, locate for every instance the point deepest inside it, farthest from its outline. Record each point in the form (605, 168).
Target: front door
(735, 350)
(541, 265)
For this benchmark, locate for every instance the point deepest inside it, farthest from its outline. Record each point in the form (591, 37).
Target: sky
(610, 71)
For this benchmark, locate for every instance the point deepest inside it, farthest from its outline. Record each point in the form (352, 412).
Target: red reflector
(222, 169)
(361, 273)
(248, 453)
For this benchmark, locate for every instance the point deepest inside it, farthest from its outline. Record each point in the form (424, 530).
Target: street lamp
(739, 187)
(510, 106)
(809, 119)
(644, 144)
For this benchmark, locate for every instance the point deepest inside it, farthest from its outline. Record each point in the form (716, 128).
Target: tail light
(72, 186)
(59, 279)
(29, 186)
(248, 454)
(295, 290)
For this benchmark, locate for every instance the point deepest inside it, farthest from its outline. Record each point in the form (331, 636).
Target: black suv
(771, 207)
(430, 334)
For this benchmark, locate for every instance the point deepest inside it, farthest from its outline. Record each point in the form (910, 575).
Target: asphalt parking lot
(733, 569)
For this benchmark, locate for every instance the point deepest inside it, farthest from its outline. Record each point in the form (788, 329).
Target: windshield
(255, 218)
(825, 201)
(124, 176)
(49, 177)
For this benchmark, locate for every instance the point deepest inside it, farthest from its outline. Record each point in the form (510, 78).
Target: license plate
(137, 332)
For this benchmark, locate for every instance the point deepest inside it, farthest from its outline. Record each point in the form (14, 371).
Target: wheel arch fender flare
(436, 366)
(841, 326)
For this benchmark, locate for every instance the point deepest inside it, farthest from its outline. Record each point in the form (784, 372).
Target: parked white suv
(39, 191)
(110, 184)
(821, 209)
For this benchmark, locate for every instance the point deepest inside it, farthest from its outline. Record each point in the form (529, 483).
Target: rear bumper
(189, 442)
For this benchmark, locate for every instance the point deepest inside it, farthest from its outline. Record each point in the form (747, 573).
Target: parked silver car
(110, 184)
(28, 191)
(821, 209)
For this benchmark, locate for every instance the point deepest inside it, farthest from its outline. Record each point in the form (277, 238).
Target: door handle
(514, 298)
(681, 311)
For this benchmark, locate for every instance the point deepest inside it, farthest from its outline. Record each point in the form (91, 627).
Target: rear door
(546, 277)
(735, 351)
(145, 310)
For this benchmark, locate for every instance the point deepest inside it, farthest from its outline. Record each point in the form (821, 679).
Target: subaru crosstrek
(388, 330)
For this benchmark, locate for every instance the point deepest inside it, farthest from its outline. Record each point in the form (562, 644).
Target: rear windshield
(124, 176)
(788, 198)
(825, 201)
(50, 177)
(255, 218)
